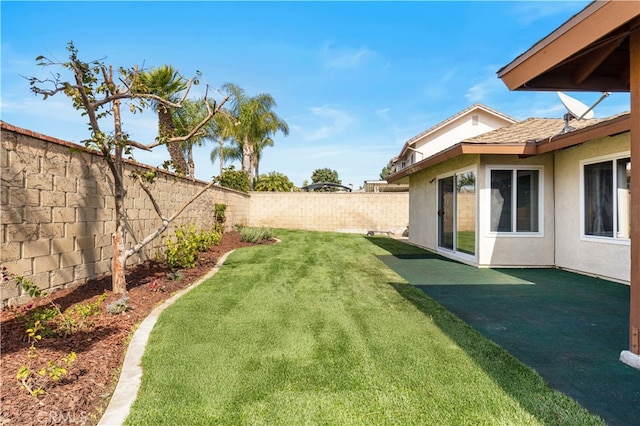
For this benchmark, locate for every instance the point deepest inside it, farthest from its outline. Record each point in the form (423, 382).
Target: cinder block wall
(58, 212)
(355, 212)
(58, 215)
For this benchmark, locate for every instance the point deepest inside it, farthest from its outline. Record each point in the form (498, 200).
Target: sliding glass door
(457, 213)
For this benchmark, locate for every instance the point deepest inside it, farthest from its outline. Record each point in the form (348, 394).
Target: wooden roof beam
(595, 59)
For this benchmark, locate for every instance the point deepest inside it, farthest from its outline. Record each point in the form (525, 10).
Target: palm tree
(185, 119)
(254, 124)
(223, 132)
(224, 154)
(274, 182)
(167, 83)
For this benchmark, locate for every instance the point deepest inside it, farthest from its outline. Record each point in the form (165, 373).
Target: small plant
(34, 380)
(77, 317)
(154, 287)
(44, 322)
(255, 235)
(183, 251)
(174, 275)
(119, 306)
(219, 213)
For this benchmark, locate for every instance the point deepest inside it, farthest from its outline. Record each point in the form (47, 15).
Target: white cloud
(531, 12)
(345, 58)
(384, 113)
(484, 89)
(336, 121)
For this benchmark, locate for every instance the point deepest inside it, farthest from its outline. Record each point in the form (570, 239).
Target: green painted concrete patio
(568, 327)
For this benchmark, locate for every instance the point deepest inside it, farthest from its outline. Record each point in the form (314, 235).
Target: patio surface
(568, 327)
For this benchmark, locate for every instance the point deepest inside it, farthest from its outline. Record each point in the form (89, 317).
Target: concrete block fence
(352, 212)
(57, 211)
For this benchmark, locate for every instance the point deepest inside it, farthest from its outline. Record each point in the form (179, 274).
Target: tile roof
(529, 130)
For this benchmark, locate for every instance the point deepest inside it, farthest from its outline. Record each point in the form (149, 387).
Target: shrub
(234, 179)
(255, 235)
(219, 210)
(119, 306)
(183, 251)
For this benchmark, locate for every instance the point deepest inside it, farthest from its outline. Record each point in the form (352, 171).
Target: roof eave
(596, 20)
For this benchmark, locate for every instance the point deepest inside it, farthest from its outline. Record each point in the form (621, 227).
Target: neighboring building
(528, 195)
(473, 121)
(384, 186)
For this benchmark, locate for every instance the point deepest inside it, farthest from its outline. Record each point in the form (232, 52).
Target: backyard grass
(317, 330)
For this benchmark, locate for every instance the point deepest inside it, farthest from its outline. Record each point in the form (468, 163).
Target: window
(474, 120)
(515, 200)
(606, 198)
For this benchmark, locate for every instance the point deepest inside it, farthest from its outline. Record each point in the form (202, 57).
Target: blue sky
(353, 80)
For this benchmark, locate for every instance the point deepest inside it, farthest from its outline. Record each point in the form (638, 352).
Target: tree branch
(165, 222)
(156, 207)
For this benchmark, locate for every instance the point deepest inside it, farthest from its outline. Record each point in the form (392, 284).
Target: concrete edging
(131, 374)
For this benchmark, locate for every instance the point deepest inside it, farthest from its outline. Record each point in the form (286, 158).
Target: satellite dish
(576, 108)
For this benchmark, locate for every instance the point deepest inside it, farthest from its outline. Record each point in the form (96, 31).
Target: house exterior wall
(493, 250)
(423, 200)
(516, 250)
(458, 130)
(608, 259)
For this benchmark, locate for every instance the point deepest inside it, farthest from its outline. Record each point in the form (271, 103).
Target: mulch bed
(82, 395)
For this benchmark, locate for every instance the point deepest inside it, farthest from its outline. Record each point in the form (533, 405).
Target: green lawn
(316, 330)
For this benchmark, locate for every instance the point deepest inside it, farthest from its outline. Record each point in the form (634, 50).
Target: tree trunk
(118, 278)
(175, 149)
(221, 157)
(118, 262)
(119, 259)
(192, 164)
(247, 167)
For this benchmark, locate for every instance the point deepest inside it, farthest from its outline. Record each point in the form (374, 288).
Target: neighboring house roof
(440, 125)
(533, 136)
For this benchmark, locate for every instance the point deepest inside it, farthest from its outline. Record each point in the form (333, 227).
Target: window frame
(609, 158)
(514, 233)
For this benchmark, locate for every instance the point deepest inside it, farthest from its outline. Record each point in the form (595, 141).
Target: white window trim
(593, 238)
(514, 211)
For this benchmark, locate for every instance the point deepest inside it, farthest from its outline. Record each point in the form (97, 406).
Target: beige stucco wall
(459, 129)
(355, 212)
(493, 250)
(608, 259)
(57, 212)
(423, 200)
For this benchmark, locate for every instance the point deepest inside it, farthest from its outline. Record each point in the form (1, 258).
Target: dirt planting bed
(81, 395)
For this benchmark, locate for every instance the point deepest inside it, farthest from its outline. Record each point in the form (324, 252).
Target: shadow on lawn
(510, 374)
(514, 377)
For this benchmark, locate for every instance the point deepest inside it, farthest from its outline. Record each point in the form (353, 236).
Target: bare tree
(99, 95)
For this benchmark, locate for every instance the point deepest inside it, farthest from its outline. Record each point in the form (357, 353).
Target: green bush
(255, 235)
(234, 179)
(183, 251)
